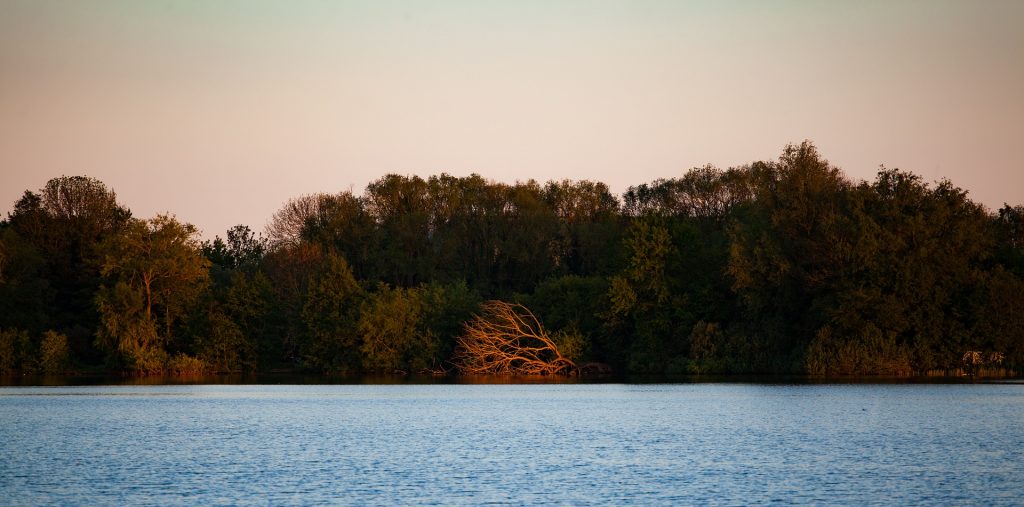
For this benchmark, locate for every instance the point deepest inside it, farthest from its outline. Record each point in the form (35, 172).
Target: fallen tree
(507, 339)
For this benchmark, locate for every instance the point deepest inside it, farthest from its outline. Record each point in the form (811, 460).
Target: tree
(704, 193)
(392, 332)
(242, 249)
(151, 274)
(26, 297)
(445, 309)
(507, 339)
(647, 303)
(290, 270)
(587, 215)
(787, 251)
(87, 202)
(65, 222)
(287, 224)
(250, 305)
(1009, 236)
(17, 352)
(331, 316)
(525, 250)
(223, 346)
(400, 207)
(343, 225)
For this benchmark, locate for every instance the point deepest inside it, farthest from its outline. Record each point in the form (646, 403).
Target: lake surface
(512, 444)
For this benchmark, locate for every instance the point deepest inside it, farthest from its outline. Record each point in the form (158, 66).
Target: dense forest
(781, 266)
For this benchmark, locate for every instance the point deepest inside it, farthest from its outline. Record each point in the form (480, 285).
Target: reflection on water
(571, 443)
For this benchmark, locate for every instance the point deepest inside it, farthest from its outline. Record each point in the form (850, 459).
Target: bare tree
(285, 227)
(507, 339)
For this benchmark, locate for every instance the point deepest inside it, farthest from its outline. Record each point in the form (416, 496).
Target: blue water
(512, 444)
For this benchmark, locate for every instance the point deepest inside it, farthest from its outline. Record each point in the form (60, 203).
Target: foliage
(62, 224)
(224, 347)
(26, 296)
(242, 249)
(391, 330)
(152, 273)
(331, 315)
(648, 303)
(571, 306)
(53, 352)
(780, 266)
(570, 343)
(184, 364)
(14, 346)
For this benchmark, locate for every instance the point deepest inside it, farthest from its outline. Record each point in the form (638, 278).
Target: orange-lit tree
(507, 339)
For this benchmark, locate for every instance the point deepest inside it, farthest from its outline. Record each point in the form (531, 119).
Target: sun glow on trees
(508, 339)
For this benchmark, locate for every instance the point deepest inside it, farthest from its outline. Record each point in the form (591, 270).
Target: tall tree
(64, 222)
(151, 274)
(786, 252)
(331, 316)
(400, 207)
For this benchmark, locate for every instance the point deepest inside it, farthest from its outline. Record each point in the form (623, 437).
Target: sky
(219, 111)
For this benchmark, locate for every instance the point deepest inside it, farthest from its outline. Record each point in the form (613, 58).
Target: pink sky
(219, 111)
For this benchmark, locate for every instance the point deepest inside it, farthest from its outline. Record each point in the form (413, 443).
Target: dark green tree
(331, 316)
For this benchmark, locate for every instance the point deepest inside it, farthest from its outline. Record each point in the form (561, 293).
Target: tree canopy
(779, 266)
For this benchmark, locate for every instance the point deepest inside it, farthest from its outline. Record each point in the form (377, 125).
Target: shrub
(53, 352)
(8, 361)
(184, 364)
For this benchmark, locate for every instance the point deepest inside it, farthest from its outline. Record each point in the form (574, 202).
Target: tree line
(783, 266)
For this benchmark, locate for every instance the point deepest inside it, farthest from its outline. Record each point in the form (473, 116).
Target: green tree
(571, 306)
(331, 316)
(223, 346)
(151, 274)
(587, 213)
(446, 309)
(342, 224)
(249, 303)
(65, 222)
(392, 332)
(289, 270)
(647, 303)
(242, 249)
(26, 297)
(400, 206)
(787, 252)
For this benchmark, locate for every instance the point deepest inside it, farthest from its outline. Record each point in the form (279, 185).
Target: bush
(868, 352)
(53, 352)
(8, 361)
(183, 364)
(223, 347)
(146, 360)
(16, 352)
(571, 343)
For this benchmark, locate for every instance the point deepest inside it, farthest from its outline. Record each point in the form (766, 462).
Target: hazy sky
(219, 111)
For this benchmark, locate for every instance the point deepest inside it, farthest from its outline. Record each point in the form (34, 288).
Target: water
(512, 444)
